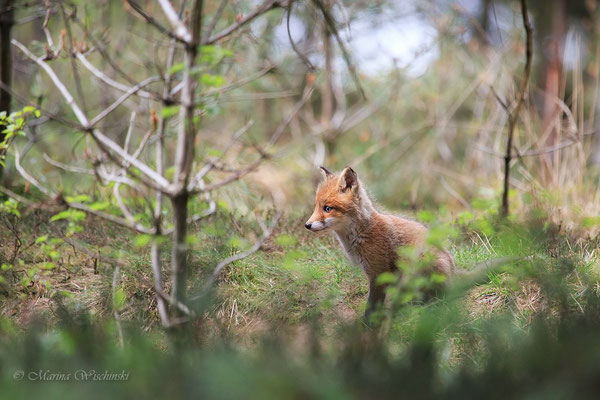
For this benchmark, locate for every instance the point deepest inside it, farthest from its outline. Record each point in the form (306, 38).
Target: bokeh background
(416, 96)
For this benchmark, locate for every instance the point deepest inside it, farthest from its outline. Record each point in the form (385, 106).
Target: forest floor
(296, 275)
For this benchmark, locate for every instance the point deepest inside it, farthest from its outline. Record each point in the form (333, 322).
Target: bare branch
(330, 21)
(71, 57)
(237, 174)
(210, 164)
(129, 131)
(158, 25)
(66, 167)
(115, 281)
(263, 8)
(216, 17)
(16, 196)
(155, 180)
(158, 284)
(30, 178)
(106, 79)
(236, 257)
(304, 59)
(122, 206)
(112, 218)
(212, 207)
(241, 82)
(122, 99)
(57, 82)
(181, 30)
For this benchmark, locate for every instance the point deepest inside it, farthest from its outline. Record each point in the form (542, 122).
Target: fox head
(337, 201)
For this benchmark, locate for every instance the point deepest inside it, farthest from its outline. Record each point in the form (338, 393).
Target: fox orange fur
(369, 238)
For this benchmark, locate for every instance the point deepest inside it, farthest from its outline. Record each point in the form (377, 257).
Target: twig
(455, 194)
(30, 178)
(237, 174)
(304, 59)
(115, 311)
(71, 57)
(515, 114)
(216, 17)
(112, 218)
(149, 176)
(330, 21)
(211, 164)
(263, 8)
(236, 257)
(16, 196)
(126, 266)
(108, 80)
(177, 35)
(57, 82)
(157, 273)
(66, 167)
(122, 99)
(180, 29)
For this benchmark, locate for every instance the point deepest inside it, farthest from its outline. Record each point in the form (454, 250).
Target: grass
(296, 275)
(287, 318)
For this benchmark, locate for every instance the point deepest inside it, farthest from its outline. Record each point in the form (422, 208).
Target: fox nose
(307, 225)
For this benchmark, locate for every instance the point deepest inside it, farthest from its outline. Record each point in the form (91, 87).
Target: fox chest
(362, 255)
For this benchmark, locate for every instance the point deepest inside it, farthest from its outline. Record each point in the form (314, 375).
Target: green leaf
(437, 278)
(176, 68)
(100, 206)
(214, 152)
(212, 80)
(426, 216)
(143, 240)
(28, 109)
(119, 299)
(387, 278)
(169, 111)
(82, 198)
(49, 265)
(41, 239)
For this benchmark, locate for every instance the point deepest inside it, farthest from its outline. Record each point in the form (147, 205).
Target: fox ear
(325, 172)
(348, 179)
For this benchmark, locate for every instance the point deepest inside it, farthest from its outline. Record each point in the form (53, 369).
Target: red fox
(369, 238)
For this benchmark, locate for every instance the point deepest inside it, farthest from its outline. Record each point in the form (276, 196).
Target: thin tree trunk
(552, 87)
(179, 252)
(183, 159)
(514, 116)
(327, 103)
(6, 24)
(327, 91)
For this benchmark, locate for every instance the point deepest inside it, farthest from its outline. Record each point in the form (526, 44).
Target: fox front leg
(376, 297)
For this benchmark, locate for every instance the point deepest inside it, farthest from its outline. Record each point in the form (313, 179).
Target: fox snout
(315, 224)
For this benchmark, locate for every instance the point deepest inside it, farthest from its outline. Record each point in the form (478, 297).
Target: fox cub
(369, 238)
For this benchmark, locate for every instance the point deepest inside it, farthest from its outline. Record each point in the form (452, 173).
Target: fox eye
(326, 208)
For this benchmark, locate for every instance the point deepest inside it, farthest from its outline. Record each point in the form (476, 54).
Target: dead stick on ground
(515, 114)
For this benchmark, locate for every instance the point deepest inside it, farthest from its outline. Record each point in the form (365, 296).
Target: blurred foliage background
(415, 96)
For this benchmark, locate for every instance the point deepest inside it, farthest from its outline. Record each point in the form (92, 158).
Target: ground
(296, 275)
